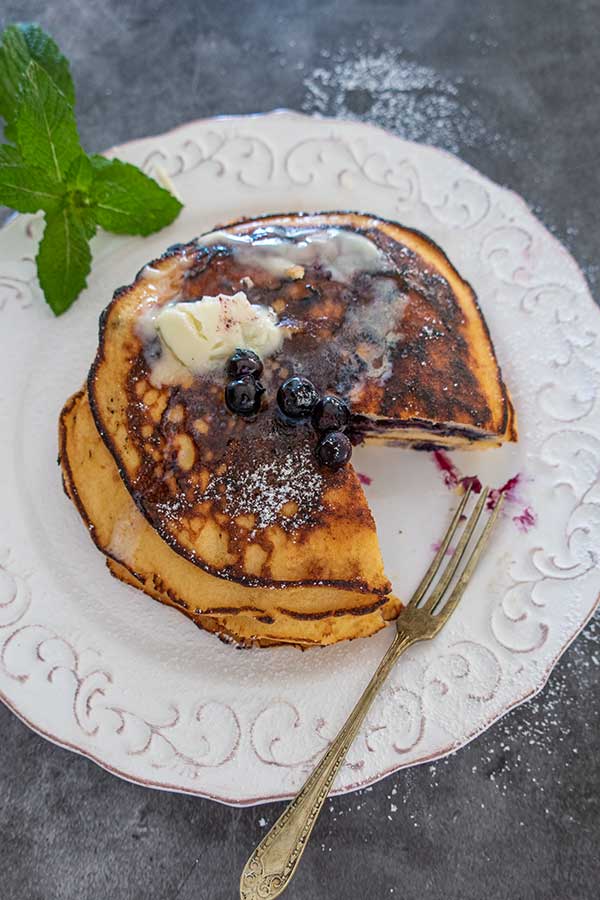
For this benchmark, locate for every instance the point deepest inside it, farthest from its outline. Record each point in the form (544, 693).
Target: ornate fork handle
(270, 868)
(274, 861)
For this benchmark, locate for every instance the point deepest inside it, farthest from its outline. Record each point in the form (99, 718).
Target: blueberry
(244, 362)
(330, 414)
(297, 397)
(244, 395)
(334, 450)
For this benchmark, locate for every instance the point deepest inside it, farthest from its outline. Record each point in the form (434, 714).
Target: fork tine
(449, 571)
(437, 559)
(464, 579)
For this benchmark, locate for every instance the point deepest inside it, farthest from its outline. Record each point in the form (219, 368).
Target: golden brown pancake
(210, 482)
(137, 555)
(231, 519)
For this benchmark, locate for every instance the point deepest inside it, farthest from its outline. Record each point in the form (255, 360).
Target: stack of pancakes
(232, 520)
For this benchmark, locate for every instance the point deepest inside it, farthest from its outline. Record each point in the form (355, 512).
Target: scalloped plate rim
(452, 747)
(276, 798)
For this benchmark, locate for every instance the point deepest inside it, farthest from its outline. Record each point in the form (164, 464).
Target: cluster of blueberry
(298, 401)
(243, 394)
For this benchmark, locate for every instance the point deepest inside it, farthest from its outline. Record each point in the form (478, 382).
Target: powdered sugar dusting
(515, 758)
(388, 89)
(286, 491)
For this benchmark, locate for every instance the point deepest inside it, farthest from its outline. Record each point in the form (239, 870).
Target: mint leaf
(26, 188)
(45, 123)
(21, 44)
(86, 219)
(126, 201)
(80, 174)
(64, 259)
(99, 162)
(79, 180)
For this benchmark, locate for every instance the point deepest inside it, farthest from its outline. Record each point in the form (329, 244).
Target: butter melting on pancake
(199, 336)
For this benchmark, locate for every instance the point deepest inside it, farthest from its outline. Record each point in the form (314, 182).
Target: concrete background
(513, 88)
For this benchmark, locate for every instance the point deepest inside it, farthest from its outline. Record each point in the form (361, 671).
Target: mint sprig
(45, 168)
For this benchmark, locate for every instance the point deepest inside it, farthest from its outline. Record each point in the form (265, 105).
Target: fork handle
(273, 863)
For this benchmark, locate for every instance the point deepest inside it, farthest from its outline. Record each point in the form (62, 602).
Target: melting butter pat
(202, 334)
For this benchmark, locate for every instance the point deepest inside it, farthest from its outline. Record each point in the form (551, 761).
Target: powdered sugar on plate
(519, 755)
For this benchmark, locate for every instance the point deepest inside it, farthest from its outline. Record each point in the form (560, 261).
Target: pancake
(233, 519)
(407, 345)
(303, 616)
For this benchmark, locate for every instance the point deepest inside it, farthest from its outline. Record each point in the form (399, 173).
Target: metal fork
(272, 865)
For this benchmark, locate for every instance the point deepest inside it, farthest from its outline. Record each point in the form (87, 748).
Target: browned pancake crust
(303, 616)
(169, 444)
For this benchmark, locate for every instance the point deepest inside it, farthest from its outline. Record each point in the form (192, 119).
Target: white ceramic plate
(101, 668)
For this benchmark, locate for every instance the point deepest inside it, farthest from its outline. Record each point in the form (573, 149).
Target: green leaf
(99, 162)
(79, 179)
(10, 132)
(26, 188)
(46, 128)
(64, 259)
(21, 44)
(80, 174)
(86, 218)
(126, 201)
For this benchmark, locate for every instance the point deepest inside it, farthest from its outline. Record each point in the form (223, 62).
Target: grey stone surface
(514, 88)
